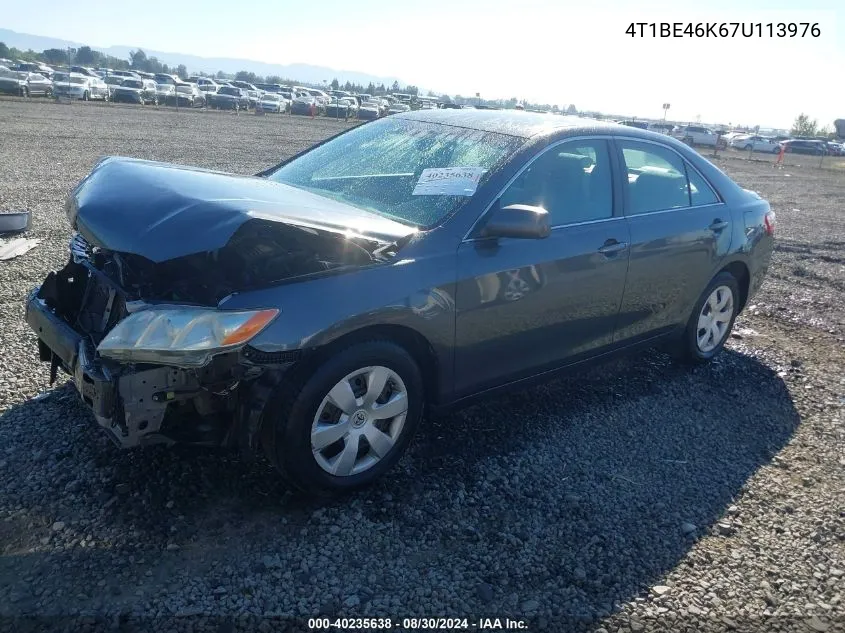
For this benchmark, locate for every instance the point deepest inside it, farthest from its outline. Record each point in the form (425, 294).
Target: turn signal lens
(253, 326)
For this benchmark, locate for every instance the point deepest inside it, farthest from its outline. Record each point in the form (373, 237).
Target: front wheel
(25, 92)
(711, 321)
(86, 96)
(347, 422)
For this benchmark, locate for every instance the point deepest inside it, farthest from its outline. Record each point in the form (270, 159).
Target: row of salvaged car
(78, 82)
(698, 135)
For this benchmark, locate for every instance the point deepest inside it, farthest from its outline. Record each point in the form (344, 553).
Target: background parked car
(253, 93)
(165, 91)
(84, 70)
(835, 149)
(698, 135)
(77, 86)
(229, 98)
(272, 102)
(141, 91)
(302, 104)
(397, 107)
(25, 84)
(164, 78)
(370, 110)
(801, 146)
(129, 74)
(113, 81)
(186, 96)
(35, 67)
(755, 143)
(343, 107)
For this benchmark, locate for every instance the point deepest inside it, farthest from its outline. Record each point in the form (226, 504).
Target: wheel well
(409, 339)
(740, 272)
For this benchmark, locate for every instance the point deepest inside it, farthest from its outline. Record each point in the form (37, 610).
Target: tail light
(769, 222)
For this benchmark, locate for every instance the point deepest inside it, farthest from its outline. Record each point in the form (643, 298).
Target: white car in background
(755, 143)
(78, 86)
(698, 135)
(272, 102)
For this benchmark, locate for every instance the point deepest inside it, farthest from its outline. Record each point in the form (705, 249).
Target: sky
(547, 51)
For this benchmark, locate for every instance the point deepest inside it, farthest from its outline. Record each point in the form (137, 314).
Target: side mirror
(518, 220)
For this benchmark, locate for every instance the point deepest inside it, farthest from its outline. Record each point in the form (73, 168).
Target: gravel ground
(638, 496)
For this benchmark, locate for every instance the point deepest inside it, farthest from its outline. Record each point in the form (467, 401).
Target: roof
(512, 122)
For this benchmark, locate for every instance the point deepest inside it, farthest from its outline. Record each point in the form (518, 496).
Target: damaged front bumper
(130, 403)
(218, 404)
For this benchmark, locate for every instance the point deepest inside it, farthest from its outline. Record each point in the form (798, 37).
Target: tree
(395, 87)
(249, 77)
(803, 126)
(138, 59)
(335, 84)
(182, 71)
(371, 88)
(55, 56)
(572, 109)
(85, 56)
(4, 50)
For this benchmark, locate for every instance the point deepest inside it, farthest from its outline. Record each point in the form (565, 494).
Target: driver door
(529, 305)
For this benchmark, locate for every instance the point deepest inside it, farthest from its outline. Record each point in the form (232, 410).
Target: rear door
(526, 305)
(680, 231)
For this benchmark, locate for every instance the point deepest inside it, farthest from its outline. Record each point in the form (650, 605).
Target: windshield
(228, 90)
(132, 83)
(185, 89)
(270, 98)
(376, 167)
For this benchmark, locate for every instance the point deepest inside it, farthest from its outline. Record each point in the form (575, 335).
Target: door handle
(611, 247)
(718, 225)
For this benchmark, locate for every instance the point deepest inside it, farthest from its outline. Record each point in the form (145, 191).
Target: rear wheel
(346, 422)
(711, 321)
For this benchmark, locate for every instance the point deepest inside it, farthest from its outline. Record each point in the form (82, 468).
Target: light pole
(665, 111)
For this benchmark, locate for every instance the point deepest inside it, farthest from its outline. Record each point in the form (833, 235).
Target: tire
(748, 147)
(25, 92)
(86, 96)
(48, 93)
(301, 403)
(688, 349)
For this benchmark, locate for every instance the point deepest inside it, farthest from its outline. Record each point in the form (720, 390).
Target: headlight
(182, 336)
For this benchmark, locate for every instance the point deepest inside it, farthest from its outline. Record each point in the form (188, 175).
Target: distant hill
(301, 72)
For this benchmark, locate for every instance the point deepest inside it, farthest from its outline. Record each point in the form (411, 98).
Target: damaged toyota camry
(316, 310)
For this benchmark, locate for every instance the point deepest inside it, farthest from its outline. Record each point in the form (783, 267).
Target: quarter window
(572, 181)
(700, 192)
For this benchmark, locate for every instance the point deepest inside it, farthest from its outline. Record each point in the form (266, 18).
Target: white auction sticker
(448, 181)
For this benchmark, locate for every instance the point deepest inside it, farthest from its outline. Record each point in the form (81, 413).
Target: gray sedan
(410, 264)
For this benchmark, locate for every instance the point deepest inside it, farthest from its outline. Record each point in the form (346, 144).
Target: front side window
(379, 167)
(572, 181)
(658, 179)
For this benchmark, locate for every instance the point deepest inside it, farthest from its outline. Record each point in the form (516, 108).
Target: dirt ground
(637, 496)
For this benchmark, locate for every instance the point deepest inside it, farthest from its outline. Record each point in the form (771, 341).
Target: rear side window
(700, 192)
(658, 179)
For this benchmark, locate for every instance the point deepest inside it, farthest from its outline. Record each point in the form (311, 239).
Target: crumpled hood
(161, 211)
